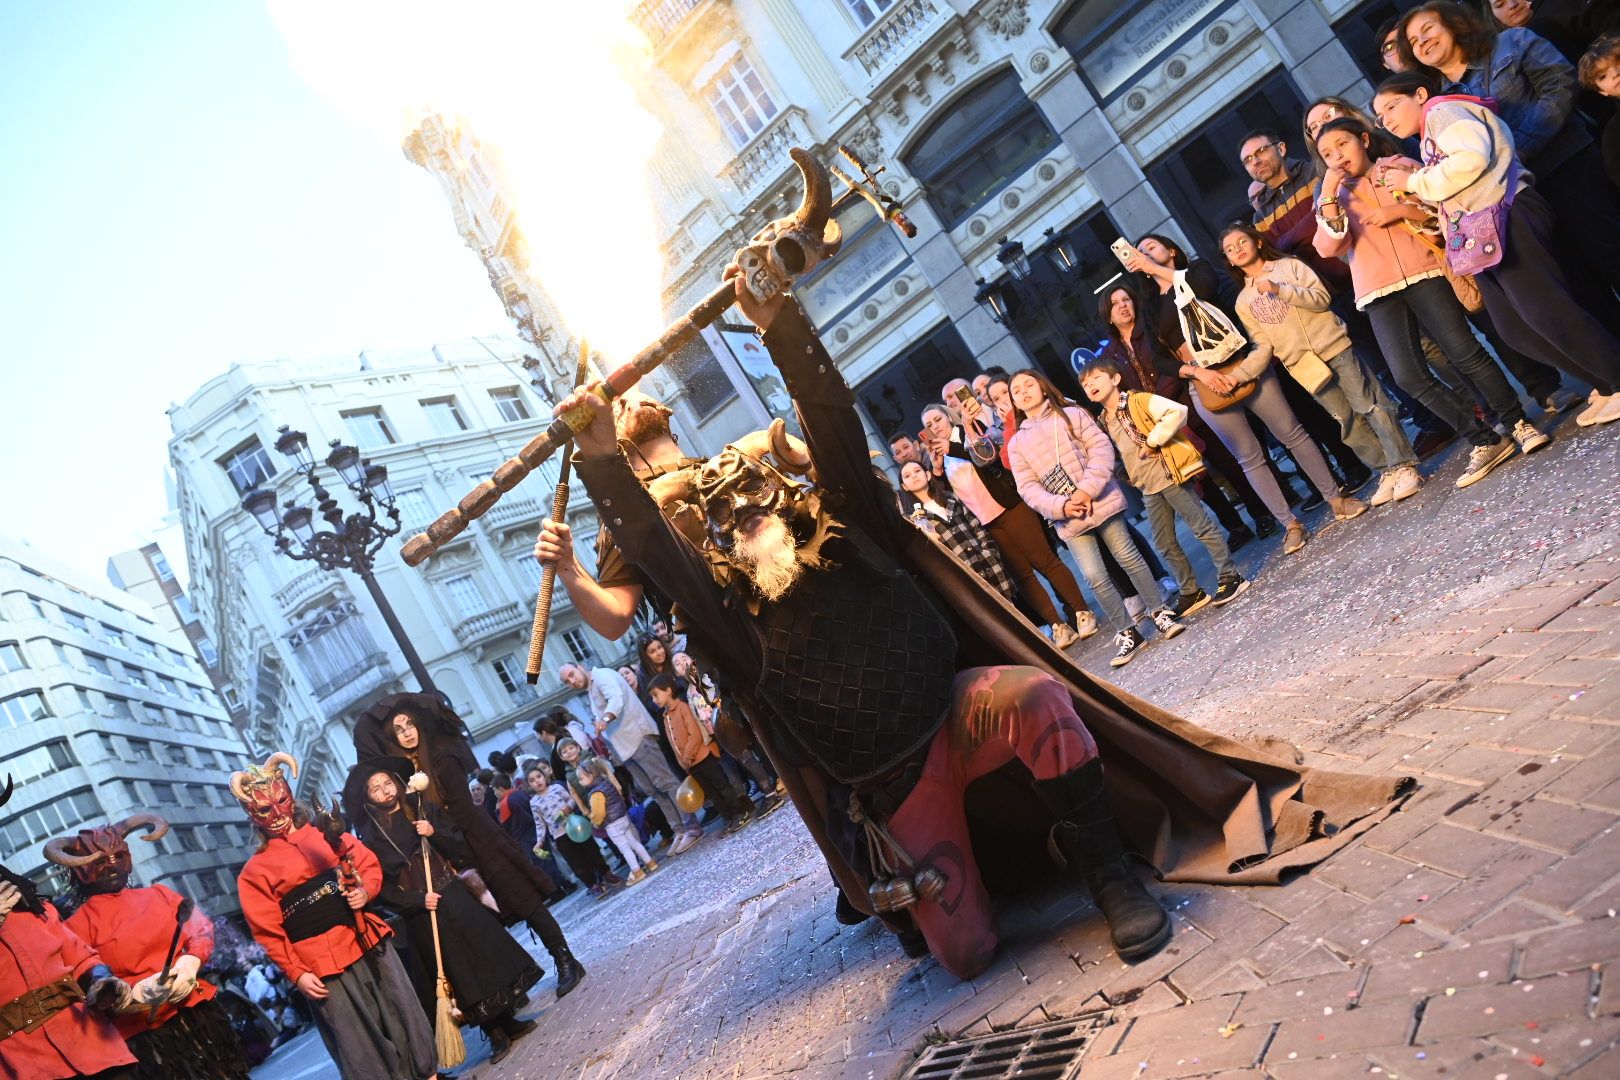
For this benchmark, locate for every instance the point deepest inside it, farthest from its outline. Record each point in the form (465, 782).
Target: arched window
(985, 141)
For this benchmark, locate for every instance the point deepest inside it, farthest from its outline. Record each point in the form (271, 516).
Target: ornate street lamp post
(353, 541)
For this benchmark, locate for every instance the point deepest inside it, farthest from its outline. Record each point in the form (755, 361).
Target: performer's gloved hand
(183, 972)
(105, 991)
(10, 897)
(148, 992)
(760, 314)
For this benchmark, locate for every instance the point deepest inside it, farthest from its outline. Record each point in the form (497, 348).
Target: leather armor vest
(859, 664)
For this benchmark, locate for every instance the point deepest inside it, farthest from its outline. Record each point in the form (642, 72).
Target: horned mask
(100, 858)
(265, 794)
(790, 247)
(752, 475)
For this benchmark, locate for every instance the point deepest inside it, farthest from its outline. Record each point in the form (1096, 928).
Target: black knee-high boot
(1087, 837)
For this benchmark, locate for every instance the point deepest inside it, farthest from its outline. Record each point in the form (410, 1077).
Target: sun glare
(550, 86)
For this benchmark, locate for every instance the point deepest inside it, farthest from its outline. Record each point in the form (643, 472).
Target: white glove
(145, 994)
(184, 974)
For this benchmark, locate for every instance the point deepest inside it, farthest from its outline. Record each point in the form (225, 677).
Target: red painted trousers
(997, 714)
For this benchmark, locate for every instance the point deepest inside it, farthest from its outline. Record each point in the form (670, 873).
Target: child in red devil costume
(157, 941)
(54, 993)
(303, 895)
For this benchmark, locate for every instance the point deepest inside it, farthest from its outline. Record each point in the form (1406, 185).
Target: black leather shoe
(499, 1044)
(1238, 537)
(912, 943)
(1266, 527)
(847, 913)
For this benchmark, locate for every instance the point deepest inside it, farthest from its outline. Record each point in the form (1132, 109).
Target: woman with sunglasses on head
(1472, 170)
(1400, 284)
(1533, 88)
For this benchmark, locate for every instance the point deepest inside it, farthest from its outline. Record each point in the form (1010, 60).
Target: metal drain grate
(1044, 1052)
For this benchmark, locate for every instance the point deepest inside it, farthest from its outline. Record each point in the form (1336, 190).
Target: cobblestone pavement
(1470, 639)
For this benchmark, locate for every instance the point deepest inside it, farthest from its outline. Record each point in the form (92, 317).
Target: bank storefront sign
(1123, 50)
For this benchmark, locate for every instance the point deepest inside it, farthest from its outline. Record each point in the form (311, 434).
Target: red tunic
(282, 866)
(131, 929)
(36, 951)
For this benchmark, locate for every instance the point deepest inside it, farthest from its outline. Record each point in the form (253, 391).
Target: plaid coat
(963, 535)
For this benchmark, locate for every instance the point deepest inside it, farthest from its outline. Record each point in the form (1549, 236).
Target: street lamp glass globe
(1011, 254)
(990, 299)
(346, 460)
(377, 481)
(295, 445)
(262, 505)
(1064, 256)
(297, 519)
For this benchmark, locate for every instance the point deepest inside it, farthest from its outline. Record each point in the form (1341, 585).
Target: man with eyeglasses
(1389, 53)
(1285, 213)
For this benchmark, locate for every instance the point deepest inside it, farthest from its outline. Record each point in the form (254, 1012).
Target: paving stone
(1455, 849)
(1532, 731)
(1333, 1067)
(1605, 1066)
(1515, 787)
(1592, 781)
(1569, 948)
(1181, 1057)
(1315, 961)
(1485, 888)
(1364, 871)
(1416, 814)
(1584, 872)
(1445, 1060)
(1293, 899)
(1552, 824)
(1512, 919)
(1204, 1018)
(1298, 998)
(1563, 1044)
(1481, 1010)
(1576, 672)
(1323, 919)
(1449, 666)
(1477, 764)
(1343, 1030)
(1434, 972)
(1586, 618)
(1501, 698)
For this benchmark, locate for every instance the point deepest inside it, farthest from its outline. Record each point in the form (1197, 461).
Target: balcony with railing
(763, 162)
(892, 38)
(303, 588)
(512, 511)
(488, 624)
(355, 681)
(658, 19)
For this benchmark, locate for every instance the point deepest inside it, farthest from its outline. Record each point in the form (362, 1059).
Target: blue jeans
(1367, 420)
(1179, 500)
(1088, 556)
(1430, 303)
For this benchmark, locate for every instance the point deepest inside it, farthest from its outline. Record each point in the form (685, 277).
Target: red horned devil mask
(100, 858)
(265, 794)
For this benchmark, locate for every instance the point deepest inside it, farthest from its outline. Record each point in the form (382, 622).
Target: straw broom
(446, 1032)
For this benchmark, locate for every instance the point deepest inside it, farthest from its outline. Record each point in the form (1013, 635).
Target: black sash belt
(315, 907)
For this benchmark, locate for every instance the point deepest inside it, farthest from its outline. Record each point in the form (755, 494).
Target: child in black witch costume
(488, 971)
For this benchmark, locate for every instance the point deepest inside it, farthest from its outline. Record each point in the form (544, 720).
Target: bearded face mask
(266, 795)
(734, 486)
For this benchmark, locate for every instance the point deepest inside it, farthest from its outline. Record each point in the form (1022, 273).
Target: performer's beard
(643, 421)
(770, 558)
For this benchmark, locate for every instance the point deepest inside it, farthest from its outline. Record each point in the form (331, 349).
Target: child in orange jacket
(695, 749)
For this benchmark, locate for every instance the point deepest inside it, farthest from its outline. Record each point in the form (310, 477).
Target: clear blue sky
(176, 200)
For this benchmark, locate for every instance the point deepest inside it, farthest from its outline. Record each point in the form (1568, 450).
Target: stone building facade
(1047, 123)
(305, 650)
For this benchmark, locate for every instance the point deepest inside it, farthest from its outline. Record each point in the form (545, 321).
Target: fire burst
(552, 86)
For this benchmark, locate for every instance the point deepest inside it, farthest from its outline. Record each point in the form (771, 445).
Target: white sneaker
(1408, 482)
(1482, 459)
(1086, 624)
(1611, 411)
(1386, 488)
(1168, 627)
(1063, 635)
(1597, 405)
(1529, 438)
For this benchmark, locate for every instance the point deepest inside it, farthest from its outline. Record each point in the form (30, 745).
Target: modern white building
(305, 650)
(105, 712)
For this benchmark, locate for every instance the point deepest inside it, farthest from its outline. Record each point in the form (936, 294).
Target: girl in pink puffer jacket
(1064, 466)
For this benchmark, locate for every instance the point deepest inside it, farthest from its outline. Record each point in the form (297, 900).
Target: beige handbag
(1308, 369)
(1463, 286)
